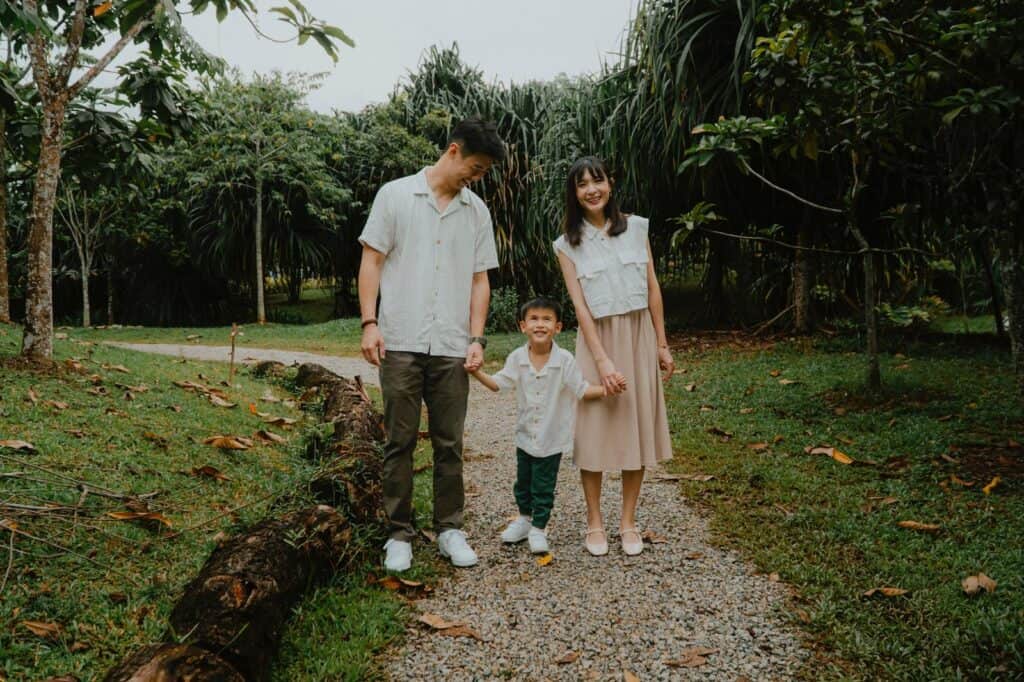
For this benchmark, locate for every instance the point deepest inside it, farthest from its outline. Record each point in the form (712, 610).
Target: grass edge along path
(947, 424)
(70, 617)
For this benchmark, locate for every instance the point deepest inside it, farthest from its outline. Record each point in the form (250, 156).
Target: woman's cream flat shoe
(598, 547)
(631, 547)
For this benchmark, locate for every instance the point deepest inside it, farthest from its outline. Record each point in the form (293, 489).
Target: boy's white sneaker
(538, 540)
(452, 544)
(517, 530)
(397, 555)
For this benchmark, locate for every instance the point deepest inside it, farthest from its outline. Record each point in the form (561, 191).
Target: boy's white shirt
(546, 399)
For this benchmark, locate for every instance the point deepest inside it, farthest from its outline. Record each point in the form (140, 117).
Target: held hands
(474, 358)
(666, 363)
(612, 380)
(372, 344)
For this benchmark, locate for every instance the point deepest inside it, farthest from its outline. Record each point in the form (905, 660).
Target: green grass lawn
(830, 530)
(946, 424)
(87, 589)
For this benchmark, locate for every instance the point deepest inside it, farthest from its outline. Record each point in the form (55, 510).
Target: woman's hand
(610, 377)
(667, 364)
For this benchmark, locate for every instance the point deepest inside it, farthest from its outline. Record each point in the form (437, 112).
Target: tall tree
(74, 27)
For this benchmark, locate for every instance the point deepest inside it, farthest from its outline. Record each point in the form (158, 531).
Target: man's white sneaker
(538, 541)
(397, 555)
(452, 544)
(517, 530)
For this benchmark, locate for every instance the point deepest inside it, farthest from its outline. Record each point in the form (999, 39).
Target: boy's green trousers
(535, 485)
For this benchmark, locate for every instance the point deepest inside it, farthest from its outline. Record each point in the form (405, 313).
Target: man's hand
(372, 344)
(474, 357)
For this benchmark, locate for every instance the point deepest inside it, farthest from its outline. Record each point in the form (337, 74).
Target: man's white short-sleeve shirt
(545, 400)
(430, 260)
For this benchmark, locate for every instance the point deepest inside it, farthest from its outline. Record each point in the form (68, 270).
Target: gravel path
(611, 615)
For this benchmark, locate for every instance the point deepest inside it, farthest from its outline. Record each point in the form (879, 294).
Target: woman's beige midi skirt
(630, 430)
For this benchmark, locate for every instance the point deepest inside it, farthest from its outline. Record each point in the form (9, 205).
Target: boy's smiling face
(540, 326)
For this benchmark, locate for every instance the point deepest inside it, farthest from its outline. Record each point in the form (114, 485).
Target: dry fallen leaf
(545, 559)
(692, 658)
(270, 437)
(227, 442)
(140, 516)
(17, 445)
(118, 368)
(56, 404)
(917, 525)
(758, 447)
(652, 537)
(959, 481)
(45, 630)
(690, 388)
(567, 657)
(835, 454)
(390, 582)
(212, 472)
(787, 382)
(629, 677)
(886, 591)
(746, 410)
(269, 397)
(283, 422)
(437, 622)
(775, 372)
(973, 584)
(991, 485)
(220, 402)
(460, 631)
(693, 556)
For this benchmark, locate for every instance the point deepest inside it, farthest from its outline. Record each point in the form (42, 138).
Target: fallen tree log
(238, 604)
(232, 614)
(173, 663)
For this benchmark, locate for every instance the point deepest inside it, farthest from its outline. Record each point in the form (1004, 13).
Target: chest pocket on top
(593, 276)
(634, 270)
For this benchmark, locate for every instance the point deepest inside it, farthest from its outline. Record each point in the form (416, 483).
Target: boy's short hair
(477, 136)
(541, 302)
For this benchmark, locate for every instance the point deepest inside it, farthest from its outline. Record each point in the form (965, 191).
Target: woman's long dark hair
(573, 225)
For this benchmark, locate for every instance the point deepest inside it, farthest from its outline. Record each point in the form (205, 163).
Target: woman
(606, 260)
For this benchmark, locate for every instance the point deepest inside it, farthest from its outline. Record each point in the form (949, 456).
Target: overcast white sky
(510, 40)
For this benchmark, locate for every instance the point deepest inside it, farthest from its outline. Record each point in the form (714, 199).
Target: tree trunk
(86, 267)
(1011, 247)
(802, 278)
(37, 343)
(985, 256)
(110, 295)
(712, 284)
(261, 311)
(870, 309)
(5, 291)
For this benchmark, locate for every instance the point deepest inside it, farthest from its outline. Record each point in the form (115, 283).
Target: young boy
(548, 383)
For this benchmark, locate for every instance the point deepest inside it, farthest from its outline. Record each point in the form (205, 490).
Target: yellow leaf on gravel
(437, 622)
(567, 657)
(545, 559)
(917, 525)
(991, 485)
(629, 677)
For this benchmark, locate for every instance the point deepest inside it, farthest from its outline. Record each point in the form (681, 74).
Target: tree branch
(74, 41)
(807, 202)
(103, 61)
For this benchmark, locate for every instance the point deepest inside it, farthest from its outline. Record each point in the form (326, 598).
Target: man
(427, 246)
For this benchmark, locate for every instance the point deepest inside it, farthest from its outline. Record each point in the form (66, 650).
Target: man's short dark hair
(541, 303)
(477, 136)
